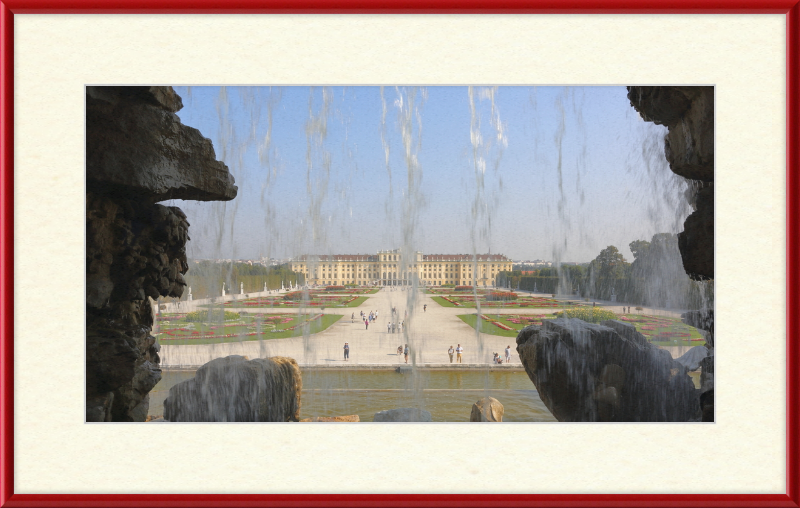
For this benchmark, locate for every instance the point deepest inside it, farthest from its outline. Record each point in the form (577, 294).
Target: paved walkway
(428, 334)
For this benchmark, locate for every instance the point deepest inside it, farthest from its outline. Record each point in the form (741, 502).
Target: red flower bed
(464, 288)
(500, 296)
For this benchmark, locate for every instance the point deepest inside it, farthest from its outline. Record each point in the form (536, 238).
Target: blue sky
(537, 172)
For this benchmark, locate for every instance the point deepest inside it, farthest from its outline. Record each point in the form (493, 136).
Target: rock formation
(487, 409)
(704, 320)
(137, 153)
(235, 389)
(348, 418)
(688, 113)
(403, 414)
(605, 372)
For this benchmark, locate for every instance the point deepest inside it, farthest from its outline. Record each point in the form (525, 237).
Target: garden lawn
(322, 299)
(444, 303)
(248, 327)
(489, 326)
(660, 331)
(522, 302)
(664, 331)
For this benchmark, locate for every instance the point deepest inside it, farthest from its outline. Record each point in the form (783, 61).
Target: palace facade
(389, 268)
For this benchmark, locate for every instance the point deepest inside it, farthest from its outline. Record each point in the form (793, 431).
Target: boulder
(692, 359)
(487, 409)
(235, 389)
(403, 414)
(605, 372)
(348, 418)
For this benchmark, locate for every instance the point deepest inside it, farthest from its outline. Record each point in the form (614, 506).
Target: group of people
(499, 360)
(395, 327)
(401, 349)
(458, 351)
(366, 318)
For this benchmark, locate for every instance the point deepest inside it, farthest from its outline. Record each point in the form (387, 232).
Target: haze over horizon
(553, 173)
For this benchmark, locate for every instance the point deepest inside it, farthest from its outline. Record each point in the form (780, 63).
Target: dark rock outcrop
(704, 320)
(688, 113)
(138, 152)
(605, 372)
(235, 389)
(136, 144)
(487, 409)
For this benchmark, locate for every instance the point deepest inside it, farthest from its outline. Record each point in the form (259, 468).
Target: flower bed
(501, 296)
(259, 324)
(589, 314)
(310, 298)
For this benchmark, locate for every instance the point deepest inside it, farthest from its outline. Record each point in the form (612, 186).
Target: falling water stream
(334, 182)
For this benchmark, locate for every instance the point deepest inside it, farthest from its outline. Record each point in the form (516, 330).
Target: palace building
(389, 268)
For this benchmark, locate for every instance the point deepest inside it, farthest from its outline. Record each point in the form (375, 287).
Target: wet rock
(487, 409)
(688, 113)
(696, 241)
(348, 418)
(703, 320)
(136, 145)
(692, 359)
(235, 389)
(592, 372)
(138, 152)
(403, 414)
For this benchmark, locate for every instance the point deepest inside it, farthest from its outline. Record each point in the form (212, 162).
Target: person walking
(405, 352)
(353, 317)
(346, 351)
(366, 324)
(425, 309)
(450, 352)
(388, 327)
(459, 351)
(508, 353)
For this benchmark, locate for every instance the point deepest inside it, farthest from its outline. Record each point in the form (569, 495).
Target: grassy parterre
(308, 298)
(661, 331)
(487, 300)
(175, 329)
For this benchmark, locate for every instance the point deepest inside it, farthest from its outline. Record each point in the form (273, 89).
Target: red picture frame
(791, 8)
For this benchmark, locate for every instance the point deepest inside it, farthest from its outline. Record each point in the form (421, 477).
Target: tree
(639, 248)
(610, 263)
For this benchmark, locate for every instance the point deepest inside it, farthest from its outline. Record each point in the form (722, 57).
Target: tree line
(655, 277)
(206, 278)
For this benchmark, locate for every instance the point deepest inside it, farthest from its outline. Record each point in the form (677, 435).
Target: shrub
(588, 314)
(501, 296)
(464, 288)
(447, 286)
(334, 288)
(202, 316)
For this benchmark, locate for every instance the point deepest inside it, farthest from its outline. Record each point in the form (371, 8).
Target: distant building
(388, 268)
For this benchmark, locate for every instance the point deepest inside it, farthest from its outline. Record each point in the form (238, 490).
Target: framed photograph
(53, 54)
